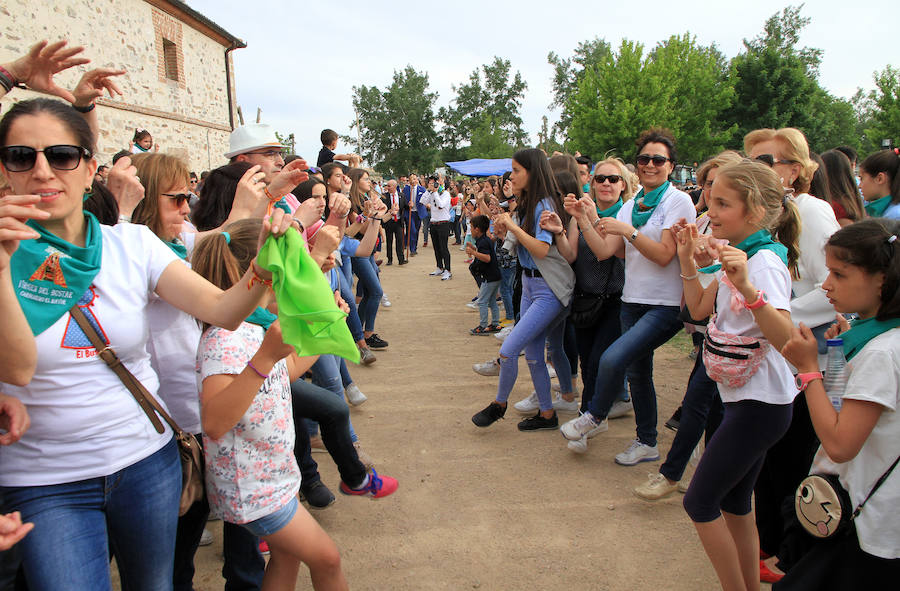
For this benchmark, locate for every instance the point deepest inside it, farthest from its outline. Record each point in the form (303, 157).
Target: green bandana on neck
(876, 208)
(141, 148)
(761, 240)
(283, 206)
(50, 275)
(611, 211)
(262, 317)
(178, 248)
(310, 319)
(863, 331)
(645, 204)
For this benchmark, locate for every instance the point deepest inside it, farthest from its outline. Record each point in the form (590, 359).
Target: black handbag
(586, 309)
(824, 508)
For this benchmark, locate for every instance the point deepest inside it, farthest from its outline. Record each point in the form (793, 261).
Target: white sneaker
(504, 332)
(437, 272)
(385, 301)
(619, 409)
(206, 538)
(580, 446)
(657, 487)
(488, 368)
(528, 405)
(583, 424)
(354, 396)
(474, 306)
(446, 275)
(637, 452)
(552, 371)
(562, 405)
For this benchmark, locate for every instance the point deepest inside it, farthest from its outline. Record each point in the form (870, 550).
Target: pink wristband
(264, 376)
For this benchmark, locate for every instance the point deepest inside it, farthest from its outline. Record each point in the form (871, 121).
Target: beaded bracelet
(264, 376)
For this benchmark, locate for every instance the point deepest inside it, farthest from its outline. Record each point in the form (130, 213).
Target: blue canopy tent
(482, 166)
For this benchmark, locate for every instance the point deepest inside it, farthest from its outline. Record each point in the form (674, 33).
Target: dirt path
(492, 508)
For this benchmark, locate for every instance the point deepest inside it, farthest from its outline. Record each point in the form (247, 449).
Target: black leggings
(440, 235)
(727, 471)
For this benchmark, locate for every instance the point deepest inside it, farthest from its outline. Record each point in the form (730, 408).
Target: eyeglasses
(61, 157)
(612, 178)
(645, 159)
(271, 154)
(770, 160)
(178, 198)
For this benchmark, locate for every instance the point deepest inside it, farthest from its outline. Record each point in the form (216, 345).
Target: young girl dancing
(751, 299)
(252, 477)
(862, 439)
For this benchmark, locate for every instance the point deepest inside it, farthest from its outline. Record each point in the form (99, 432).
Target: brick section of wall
(166, 28)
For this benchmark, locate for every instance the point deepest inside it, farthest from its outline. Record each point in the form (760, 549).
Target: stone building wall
(185, 109)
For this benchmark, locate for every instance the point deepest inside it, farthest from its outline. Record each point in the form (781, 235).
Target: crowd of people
(596, 264)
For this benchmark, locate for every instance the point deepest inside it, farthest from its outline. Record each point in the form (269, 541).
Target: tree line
(606, 96)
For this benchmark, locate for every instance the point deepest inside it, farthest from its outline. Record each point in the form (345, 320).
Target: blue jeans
(244, 566)
(132, 513)
(353, 322)
(326, 374)
(346, 380)
(507, 279)
(487, 299)
(592, 342)
(364, 269)
(701, 410)
(541, 321)
(644, 328)
(412, 223)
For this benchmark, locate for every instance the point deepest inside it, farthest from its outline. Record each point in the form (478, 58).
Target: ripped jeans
(541, 319)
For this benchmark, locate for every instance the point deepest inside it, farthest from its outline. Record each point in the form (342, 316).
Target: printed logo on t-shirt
(50, 269)
(74, 337)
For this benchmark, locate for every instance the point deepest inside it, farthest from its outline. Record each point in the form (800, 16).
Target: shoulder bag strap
(874, 488)
(146, 400)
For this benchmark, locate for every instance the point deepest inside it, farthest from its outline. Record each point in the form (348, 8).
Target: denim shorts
(273, 522)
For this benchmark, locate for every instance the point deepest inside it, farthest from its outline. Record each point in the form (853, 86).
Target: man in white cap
(257, 144)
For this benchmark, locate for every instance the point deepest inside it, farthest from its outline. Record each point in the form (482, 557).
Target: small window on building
(170, 55)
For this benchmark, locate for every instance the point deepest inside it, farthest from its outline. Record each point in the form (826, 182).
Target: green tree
(488, 104)
(678, 85)
(397, 126)
(776, 85)
(568, 72)
(879, 111)
(547, 137)
(287, 140)
(489, 141)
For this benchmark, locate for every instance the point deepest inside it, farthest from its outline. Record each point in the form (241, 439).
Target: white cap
(248, 138)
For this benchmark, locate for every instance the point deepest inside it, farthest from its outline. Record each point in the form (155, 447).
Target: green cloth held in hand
(310, 319)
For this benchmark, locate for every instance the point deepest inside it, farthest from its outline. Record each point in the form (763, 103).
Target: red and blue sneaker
(377, 487)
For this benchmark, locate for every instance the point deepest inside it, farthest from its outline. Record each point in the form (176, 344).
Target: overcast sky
(303, 58)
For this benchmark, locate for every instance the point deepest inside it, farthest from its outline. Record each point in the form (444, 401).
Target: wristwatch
(633, 236)
(761, 300)
(803, 379)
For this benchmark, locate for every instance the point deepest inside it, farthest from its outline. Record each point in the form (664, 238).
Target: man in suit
(393, 227)
(412, 195)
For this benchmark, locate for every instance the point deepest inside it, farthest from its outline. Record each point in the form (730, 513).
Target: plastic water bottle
(835, 372)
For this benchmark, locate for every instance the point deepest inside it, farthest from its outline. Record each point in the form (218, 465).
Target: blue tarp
(482, 166)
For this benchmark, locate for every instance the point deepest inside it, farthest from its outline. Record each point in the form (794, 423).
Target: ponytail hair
(222, 259)
(888, 162)
(764, 196)
(873, 246)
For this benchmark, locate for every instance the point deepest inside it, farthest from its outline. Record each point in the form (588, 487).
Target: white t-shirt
(645, 281)
(810, 306)
(874, 377)
(174, 337)
(773, 382)
(251, 471)
(84, 421)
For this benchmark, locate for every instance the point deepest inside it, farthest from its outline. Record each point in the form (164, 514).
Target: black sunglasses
(612, 178)
(179, 198)
(62, 157)
(770, 161)
(645, 159)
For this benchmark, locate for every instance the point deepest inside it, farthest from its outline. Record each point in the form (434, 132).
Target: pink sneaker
(264, 547)
(378, 486)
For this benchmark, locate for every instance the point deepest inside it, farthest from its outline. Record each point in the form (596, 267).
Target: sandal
(479, 330)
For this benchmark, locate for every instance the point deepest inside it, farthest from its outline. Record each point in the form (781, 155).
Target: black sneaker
(376, 342)
(317, 495)
(675, 420)
(537, 423)
(490, 415)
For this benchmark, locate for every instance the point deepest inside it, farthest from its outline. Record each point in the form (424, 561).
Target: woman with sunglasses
(651, 296)
(92, 473)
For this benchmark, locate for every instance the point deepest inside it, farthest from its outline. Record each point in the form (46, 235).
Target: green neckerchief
(261, 317)
(283, 206)
(876, 208)
(863, 331)
(310, 319)
(611, 211)
(761, 240)
(649, 201)
(50, 275)
(141, 148)
(178, 248)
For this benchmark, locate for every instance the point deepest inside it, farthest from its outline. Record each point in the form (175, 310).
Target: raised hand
(550, 221)
(734, 263)
(840, 325)
(802, 350)
(339, 208)
(15, 210)
(92, 85)
(43, 61)
(686, 238)
(250, 197)
(273, 347)
(290, 176)
(327, 239)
